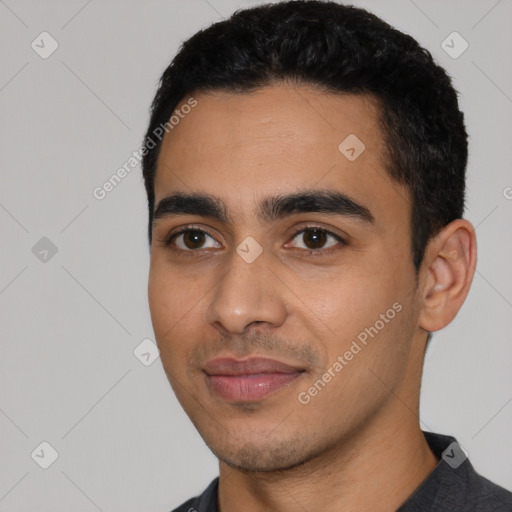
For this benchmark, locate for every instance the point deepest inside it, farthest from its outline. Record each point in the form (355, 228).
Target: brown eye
(316, 238)
(191, 240)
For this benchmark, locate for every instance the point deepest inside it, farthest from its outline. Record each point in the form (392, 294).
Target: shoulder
(485, 495)
(206, 502)
(454, 485)
(188, 506)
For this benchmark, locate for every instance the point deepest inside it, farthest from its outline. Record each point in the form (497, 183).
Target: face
(281, 284)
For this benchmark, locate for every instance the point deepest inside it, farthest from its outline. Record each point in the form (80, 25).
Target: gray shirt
(453, 486)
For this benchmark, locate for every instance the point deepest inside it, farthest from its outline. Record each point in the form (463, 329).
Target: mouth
(248, 380)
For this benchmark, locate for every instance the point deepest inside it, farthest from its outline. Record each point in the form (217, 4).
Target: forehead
(275, 140)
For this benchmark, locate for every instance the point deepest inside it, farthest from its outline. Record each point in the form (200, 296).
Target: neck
(377, 467)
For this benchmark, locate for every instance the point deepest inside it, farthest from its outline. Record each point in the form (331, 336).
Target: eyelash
(167, 241)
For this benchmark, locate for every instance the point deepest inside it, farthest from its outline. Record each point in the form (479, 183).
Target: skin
(357, 445)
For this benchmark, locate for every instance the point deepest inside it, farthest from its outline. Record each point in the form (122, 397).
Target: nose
(248, 293)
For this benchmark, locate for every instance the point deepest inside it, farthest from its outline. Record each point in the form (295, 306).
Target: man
(305, 171)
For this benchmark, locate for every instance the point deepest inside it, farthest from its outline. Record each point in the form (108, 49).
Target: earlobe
(449, 267)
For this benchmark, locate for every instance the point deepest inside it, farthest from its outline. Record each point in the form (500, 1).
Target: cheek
(172, 290)
(160, 296)
(350, 300)
(173, 305)
(365, 304)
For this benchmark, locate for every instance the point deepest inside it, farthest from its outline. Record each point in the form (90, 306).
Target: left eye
(315, 238)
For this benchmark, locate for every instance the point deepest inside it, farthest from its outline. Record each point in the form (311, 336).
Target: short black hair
(338, 49)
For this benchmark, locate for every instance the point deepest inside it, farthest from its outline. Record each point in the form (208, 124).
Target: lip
(248, 380)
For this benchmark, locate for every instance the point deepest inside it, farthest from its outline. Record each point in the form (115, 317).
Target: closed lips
(228, 366)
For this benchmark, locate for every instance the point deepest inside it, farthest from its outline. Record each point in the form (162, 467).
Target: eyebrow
(270, 209)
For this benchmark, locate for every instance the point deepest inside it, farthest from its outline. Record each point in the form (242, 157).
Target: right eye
(189, 240)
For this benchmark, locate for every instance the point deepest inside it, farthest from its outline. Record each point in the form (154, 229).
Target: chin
(267, 456)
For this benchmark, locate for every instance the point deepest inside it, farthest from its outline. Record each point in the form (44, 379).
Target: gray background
(70, 324)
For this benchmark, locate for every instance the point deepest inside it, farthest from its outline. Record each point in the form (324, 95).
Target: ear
(447, 273)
